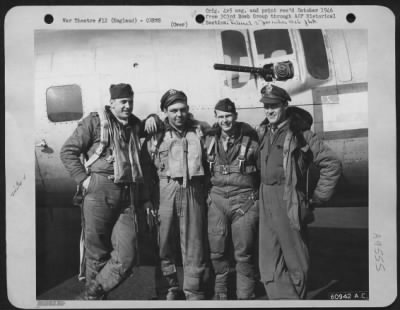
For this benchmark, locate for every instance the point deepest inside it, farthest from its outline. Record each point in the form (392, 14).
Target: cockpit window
(235, 53)
(272, 43)
(64, 103)
(315, 53)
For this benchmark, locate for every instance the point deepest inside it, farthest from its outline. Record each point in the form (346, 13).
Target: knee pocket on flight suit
(217, 231)
(217, 240)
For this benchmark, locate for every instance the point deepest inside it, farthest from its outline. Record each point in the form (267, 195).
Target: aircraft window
(272, 43)
(235, 53)
(64, 103)
(315, 53)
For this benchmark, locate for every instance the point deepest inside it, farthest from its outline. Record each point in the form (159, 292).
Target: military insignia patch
(268, 88)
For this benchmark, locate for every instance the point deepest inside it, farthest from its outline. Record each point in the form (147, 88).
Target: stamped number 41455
(378, 252)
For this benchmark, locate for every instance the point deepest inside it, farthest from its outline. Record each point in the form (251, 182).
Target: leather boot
(173, 287)
(93, 291)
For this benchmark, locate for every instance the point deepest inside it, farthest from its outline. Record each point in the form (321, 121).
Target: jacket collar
(242, 129)
(299, 119)
(132, 119)
(189, 125)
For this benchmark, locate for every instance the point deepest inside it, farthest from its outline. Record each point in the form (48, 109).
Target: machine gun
(280, 71)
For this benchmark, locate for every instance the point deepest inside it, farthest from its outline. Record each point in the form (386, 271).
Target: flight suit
(173, 169)
(108, 218)
(285, 155)
(233, 209)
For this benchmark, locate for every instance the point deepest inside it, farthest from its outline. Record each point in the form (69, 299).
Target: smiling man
(287, 148)
(109, 140)
(233, 210)
(173, 168)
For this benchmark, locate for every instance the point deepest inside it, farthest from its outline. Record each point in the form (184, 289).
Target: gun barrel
(238, 68)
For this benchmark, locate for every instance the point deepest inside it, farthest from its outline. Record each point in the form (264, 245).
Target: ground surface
(339, 263)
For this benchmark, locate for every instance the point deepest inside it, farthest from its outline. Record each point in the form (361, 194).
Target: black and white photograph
(224, 164)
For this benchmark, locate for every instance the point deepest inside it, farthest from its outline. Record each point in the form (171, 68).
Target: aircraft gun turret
(280, 71)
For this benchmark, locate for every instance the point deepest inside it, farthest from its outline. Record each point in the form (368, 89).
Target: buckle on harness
(241, 165)
(240, 211)
(211, 166)
(225, 170)
(99, 150)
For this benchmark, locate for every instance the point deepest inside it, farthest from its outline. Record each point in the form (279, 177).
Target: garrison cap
(171, 96)
(271, 94)
(226, 105)
(120, 91)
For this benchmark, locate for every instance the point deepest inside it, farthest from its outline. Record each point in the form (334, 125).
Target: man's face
(177, 114)
(275, 112)
(225, 120)
(122, 107)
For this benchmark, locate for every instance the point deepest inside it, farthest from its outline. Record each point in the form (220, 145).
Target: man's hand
(85, 183)
(151, 215)
(150, 125)
(307, 213)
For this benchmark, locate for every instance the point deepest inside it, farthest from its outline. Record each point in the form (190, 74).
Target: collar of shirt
(225, 136)
(122, 121)
(228, 139)
(188, 125)
(274, 129)
(233, 135)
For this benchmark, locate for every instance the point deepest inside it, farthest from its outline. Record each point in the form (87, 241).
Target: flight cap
(121, 90)
(271, 94)
(172, 96)
(226, 105)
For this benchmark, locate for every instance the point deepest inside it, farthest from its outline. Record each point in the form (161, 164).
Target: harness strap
(211, 155)
(242, 154)
(104, 139)
(155, 144)
(82, 252)
(185, 162)
(242, 210)
(307, 187)
(226, 169)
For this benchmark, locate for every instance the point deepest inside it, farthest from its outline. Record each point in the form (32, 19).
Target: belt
(273, 182)
(179, 180)
(234, 193)
(226, 169)
(192, 180)
(111, 178)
